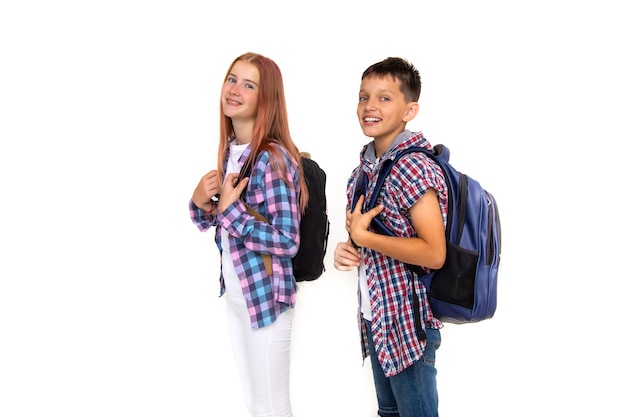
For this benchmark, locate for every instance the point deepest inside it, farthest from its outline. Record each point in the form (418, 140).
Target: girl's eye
(231, 79)
(250, 86)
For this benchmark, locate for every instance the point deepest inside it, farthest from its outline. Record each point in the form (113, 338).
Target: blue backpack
(464, 290)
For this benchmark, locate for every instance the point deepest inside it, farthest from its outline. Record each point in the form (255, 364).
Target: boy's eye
(362, 98)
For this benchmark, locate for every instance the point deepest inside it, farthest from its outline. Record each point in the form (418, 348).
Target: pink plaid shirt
(277, 200)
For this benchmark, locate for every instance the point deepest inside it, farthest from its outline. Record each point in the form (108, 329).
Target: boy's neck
(383, 143)
(380, 147)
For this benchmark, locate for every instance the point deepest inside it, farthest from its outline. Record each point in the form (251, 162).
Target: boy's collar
(370, 151)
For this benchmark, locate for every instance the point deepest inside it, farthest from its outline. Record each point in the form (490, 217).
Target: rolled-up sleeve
(200, 218)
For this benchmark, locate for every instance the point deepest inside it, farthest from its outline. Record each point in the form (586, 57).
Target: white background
(109, 116)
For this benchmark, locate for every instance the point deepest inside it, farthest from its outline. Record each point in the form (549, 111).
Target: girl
(254, 135)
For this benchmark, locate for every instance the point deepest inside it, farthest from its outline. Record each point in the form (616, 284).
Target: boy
(413, 203)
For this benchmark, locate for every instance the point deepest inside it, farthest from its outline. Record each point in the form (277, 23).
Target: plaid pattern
(277, 200)
(390, 281)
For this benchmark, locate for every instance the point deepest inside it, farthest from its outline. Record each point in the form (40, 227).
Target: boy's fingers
(374, 212)
(359, 204)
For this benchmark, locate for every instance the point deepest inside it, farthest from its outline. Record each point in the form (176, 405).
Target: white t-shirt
(231, 280)
(366, 308)
(365, 295)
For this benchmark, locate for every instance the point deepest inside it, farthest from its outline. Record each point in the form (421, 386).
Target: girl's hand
(231, 193)
(206, 189)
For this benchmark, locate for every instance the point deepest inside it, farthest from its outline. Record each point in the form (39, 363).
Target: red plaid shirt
(390, 282)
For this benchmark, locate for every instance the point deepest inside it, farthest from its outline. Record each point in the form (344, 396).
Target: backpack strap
(421, 333)
(267, 259)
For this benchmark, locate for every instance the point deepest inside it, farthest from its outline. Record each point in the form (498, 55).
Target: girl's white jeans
(263, 359)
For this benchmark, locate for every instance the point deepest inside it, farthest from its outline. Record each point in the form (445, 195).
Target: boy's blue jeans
(412, 392)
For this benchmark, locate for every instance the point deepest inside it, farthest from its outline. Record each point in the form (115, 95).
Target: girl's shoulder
(275, 161)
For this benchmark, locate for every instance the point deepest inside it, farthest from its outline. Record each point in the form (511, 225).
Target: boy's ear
(412, 109)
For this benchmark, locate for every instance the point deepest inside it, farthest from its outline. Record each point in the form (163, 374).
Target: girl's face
(240, 92)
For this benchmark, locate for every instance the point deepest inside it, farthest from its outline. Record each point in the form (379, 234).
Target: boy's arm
(427, 250)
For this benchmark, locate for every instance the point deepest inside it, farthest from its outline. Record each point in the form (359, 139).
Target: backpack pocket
(454, 282)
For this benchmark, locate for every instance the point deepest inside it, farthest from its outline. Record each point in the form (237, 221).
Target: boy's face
(382, 109)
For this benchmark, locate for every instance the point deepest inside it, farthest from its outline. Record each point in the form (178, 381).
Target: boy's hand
(358, 223)
(346, 256)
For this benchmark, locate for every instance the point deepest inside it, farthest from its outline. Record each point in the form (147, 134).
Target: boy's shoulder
(411, 164)
(409, 140)
(405, 141)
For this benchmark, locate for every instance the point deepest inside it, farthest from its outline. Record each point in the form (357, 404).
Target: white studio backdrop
(109, 295)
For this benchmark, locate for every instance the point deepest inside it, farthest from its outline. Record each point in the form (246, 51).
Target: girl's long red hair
(271, 124)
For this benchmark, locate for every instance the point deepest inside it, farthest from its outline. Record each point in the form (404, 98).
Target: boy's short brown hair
(399, 69)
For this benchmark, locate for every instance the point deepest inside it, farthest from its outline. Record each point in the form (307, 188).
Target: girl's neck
(243, 131)
(241, 141)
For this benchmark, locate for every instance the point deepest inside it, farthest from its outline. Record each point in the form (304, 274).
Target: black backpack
(464, 290)
(308, 264)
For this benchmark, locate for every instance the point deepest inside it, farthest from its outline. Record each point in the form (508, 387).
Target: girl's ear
(412, 109)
